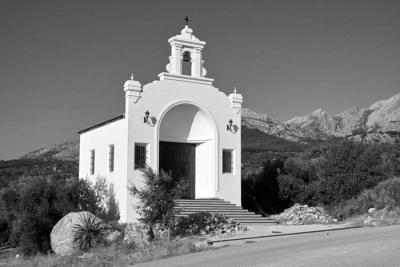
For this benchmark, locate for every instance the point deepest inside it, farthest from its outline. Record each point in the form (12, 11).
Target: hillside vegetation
(328, 175)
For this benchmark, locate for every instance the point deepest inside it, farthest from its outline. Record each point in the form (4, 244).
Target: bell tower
(186, 49)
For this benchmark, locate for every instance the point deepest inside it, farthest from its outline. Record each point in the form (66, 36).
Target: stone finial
(236, 100)
(132, 88)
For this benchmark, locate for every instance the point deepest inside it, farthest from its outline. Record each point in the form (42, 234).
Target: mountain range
(380, 122)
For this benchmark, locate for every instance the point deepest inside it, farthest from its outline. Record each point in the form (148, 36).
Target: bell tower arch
(186, 60)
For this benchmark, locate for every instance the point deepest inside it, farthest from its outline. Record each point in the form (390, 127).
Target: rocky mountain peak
(381, 117)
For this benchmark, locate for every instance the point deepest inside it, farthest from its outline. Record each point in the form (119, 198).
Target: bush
(298, 181)
(32, 205)
(204, 223)
(105, 205)
(156, 198)
(347, 168)
(197, 223)
(260, 192)
(337, 171)
(385, 195)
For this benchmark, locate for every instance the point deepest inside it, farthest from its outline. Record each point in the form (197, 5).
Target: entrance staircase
(184, 207)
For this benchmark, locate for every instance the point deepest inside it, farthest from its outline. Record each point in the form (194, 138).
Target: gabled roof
(102, 124)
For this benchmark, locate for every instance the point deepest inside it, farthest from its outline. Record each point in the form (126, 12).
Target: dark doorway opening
(179, 160)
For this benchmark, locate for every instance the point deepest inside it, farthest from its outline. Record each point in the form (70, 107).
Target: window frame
(111, 158)
(231, 162)
(144, 154)
(92, 161)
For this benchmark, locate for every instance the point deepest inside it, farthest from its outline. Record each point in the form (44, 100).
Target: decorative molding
(185, 78)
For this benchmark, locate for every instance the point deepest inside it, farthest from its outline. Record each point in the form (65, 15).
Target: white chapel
(179, 123)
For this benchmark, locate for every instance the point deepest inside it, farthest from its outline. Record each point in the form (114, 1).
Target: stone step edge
(207, 208)
(215, 211)
(243, 216)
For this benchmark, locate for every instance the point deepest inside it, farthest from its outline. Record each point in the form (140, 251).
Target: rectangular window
(140, 156)
(92, 158)
(111, 158)
(227, 161)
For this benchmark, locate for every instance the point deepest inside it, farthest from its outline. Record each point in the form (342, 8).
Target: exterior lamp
(146, 117)
(229, 125)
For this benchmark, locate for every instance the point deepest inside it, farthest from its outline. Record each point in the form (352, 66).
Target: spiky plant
(90, 232)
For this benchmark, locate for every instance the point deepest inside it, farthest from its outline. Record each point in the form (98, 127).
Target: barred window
(140, 156)
(92, 159)
(111, 158)
(227, 161)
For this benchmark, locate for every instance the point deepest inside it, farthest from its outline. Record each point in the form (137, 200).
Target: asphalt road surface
(356, 247)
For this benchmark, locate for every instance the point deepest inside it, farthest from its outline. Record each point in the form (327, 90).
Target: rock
(371, 210)
(62, 235)
(302, 214)
(86, 256)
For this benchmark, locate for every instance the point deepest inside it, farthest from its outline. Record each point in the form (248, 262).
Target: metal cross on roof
(187, 20)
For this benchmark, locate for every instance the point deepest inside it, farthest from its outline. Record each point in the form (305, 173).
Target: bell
(186, 56)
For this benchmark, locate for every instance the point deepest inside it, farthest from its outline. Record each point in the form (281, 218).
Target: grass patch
(382, 217)
(118, 254)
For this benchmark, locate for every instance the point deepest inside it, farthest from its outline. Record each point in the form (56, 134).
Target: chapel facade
(179, 123)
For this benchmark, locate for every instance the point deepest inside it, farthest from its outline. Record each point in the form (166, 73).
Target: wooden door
(179, 160)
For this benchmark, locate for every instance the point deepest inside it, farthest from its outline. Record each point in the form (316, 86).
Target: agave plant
(90, 232)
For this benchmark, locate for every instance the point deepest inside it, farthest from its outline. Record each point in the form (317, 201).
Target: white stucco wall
(162, 97)
(99, 139)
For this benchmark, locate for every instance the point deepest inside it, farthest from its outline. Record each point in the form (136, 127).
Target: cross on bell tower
(187, 21)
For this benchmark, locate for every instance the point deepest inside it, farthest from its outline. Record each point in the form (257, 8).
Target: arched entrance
(187, 148)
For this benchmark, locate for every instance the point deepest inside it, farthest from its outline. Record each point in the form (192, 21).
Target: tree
(105, 202)
(346, 168)
(156, 198)
(260, 192)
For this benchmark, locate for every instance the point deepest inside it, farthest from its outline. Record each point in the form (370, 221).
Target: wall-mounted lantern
(146, 117)
(229, 125)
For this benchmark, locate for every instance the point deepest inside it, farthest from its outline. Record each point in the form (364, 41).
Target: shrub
(105, 205)
(260, 192)
(347, 168)
(90, 232)
(385, 195)
(204, 223)
(32, 205)
(195, 223)
(156, 198)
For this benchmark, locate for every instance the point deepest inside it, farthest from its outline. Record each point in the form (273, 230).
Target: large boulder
(62, 235)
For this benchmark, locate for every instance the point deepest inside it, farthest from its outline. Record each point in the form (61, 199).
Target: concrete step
(178, 204)
(204, 203)
(205, 208)
(255, 222)
(223, 212)
(200, 200)
(184, 207)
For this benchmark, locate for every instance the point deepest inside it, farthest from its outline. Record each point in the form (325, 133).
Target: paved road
(356, 247)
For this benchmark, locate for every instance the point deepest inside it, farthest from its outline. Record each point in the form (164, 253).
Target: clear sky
(63, 63)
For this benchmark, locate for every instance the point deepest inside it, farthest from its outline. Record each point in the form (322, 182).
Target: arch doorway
(187, 148)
